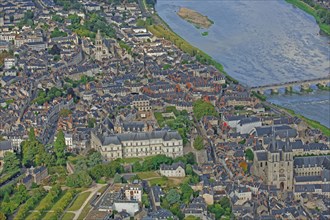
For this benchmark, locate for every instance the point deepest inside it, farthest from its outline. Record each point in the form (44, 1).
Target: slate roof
(174, 166)
(282, 131)
(117, 139)
(312, 161)
(5, 145)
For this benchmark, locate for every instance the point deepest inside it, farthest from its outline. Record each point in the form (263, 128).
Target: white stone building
(139, 144)
(174, 170)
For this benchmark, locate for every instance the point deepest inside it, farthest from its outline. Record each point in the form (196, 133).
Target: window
(261, 164)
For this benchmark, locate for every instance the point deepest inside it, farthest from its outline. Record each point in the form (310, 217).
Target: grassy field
(166, 182)
(149, 174)
(79, 201)
(308, 9)
(85, 212)
(102, 189)
(68, 216)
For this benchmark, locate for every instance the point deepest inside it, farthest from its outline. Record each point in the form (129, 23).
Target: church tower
(280, 165)
(98, 46)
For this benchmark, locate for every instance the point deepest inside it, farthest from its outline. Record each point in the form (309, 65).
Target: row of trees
(46, 203)
(10, 203)
(25, 209)
(35, 154)
(323, 13)
(60, 205)
(153, 163)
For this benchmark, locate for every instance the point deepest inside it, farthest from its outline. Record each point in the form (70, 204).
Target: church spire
(98, 35)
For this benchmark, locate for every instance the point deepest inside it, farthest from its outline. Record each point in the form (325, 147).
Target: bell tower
(98, 46)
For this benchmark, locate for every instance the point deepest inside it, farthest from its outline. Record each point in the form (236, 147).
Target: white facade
(130, 207)
(139, 144)
(133, 192)
(9, 63)
(247, 128)
(176, 171)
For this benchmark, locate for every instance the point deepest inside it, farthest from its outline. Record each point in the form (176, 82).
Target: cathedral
(103, 47)
(275, 165)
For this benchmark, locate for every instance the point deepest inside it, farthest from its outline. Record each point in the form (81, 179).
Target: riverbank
(162, 30)
(194, 17)
(311, 123)
(312, 11)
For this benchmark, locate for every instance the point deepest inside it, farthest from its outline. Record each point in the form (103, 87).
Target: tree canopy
(249, 154)
(11, 162)
(198, 143)
(172, 196)
(59, 148)
(202, 108)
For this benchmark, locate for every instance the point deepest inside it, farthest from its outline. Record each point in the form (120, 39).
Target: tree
(172, 196)
(33, 152)
(117, 178)
(202, 108)
(32, 136)
(94, 158)
(59, 148)
(79, 179)
(145, 200)
(186, 192)
(97, 172)
(249, 154)
(221, 208)
(137, 167)
(189, 169)
(58, 33)
(55, 50)
(198, 143)
(11, 162)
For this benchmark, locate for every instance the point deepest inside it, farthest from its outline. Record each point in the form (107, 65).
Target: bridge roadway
(305, 84)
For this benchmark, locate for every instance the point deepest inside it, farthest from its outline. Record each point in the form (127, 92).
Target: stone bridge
(303, 84)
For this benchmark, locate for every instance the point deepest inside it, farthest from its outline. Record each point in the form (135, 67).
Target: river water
(260, 43)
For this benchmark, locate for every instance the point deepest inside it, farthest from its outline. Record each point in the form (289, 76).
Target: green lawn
(85, 212)
(167, 182)
(148, 174)
(102, 189)
(159, 181)
(79, 201)
(68, 216)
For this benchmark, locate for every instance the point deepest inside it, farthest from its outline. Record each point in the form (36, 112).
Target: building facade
(275, 165)
(174, 170)
(139, 144)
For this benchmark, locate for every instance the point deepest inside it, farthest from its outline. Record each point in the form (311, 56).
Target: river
(260, 43)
